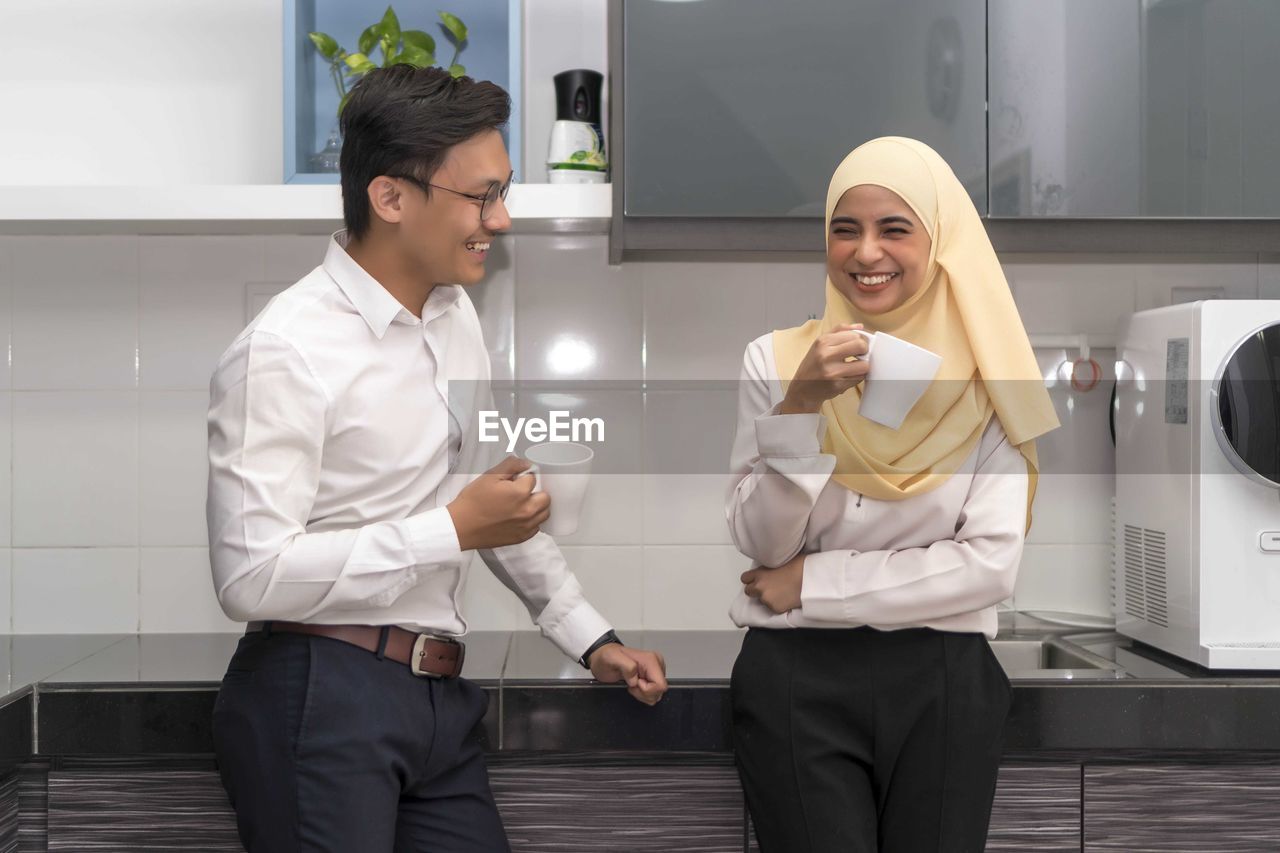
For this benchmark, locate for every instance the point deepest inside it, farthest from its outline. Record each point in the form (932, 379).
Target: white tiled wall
(111, 341)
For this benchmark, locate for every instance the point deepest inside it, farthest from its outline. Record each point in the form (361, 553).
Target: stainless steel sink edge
(1051, 657)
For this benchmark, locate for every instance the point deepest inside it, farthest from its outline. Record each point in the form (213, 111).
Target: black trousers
(863, 740)
(323, 746)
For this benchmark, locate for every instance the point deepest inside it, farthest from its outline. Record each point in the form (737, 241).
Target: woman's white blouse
(942, 559)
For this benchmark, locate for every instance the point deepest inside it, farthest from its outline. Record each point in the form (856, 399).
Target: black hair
(404, 120)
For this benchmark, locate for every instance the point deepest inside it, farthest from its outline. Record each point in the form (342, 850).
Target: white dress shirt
(330, 465)
(942, 559)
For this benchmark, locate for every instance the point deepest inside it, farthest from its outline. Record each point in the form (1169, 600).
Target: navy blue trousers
(857, 740)
(322, 746)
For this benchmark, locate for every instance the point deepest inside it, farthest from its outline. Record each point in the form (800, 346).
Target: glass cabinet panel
(743, 108)
(1134, 108)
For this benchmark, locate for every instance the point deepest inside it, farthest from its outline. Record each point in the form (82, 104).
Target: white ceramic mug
(900, 372)
(562, 469)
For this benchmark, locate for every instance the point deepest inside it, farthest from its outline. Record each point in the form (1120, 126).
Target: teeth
(874, 279)
(477, 247)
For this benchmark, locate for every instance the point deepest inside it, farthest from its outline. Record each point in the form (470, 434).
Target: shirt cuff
(790, 435)
(434, 538)
(822, 592)
(575, 630)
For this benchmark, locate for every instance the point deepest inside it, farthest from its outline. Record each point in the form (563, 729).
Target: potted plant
(398, 46)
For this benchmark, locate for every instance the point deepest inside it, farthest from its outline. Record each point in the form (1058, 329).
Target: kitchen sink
(1050, 657)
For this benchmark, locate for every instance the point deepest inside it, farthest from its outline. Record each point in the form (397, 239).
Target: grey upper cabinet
(1134, 108)
(743, 108)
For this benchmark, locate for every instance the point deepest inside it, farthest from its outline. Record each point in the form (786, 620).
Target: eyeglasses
(497, 190)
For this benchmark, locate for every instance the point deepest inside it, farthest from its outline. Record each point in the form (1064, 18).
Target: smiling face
(877, 249)
(443, 231)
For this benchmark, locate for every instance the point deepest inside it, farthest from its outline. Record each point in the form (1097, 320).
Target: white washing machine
(1197, 534)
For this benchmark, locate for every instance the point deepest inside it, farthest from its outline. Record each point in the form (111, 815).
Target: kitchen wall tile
(688, 438)
(6, 592)
(487, 605)
(85, 463)
(186, 657)
(114, 663)
(6, 469)
(1064, 294)
(75, 310)
(6, 307)
(75, 468)
(1164, 281)
(613, 581)
(192, 305)
(1269, 277)
(795, 289)
(35, 658)
(1072, 508)
(75, 591)
(1068, 578)
(173, 469)
(495, 302)
(1077, 460)
(612, 512)
(257, 296)
(690, 587)
(685, 509)
(576, 316)
(177, 594)
(288, 257)
(699, 317)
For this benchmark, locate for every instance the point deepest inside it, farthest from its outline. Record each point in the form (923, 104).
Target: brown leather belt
(435, 657)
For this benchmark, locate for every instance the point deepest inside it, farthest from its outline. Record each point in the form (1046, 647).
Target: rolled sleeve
(789, 436)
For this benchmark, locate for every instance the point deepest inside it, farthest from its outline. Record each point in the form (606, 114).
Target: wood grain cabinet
(602, 803)
(1169, 808)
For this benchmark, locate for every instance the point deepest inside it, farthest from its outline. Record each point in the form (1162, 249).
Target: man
(341, 509)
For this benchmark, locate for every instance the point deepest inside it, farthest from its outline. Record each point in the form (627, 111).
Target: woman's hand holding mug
(832, 366)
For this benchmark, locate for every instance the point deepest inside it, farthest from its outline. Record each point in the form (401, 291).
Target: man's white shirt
(334, 449)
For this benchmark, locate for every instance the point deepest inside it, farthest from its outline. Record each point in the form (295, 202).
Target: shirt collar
(374, 302)
(442, 298)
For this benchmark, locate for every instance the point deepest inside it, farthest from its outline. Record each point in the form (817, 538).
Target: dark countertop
(152, 694)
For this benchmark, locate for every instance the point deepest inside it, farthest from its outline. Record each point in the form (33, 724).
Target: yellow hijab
(964, 312)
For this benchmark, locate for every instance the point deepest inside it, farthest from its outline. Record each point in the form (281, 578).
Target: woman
(873, 721)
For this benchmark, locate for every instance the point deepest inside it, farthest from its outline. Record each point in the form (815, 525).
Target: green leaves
(369, 39)
(359, 63)
(416, 56)
(420, 40)
(326, 44)
(419, 49)
(410, 47)
(454, 25)
(389, 27)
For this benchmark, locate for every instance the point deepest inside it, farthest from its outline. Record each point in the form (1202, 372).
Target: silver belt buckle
(418, 653)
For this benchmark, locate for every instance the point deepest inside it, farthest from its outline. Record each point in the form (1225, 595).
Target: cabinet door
(567, 803)
(1169, 808)
(1134, 108)
(1037, 807)
(743, 108)
(129, 810)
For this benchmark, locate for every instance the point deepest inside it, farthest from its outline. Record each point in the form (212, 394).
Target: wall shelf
(261, 209)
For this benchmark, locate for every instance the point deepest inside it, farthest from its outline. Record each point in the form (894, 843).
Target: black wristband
(608, 637)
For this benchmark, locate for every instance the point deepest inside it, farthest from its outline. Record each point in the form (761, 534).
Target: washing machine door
(1245, 400)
